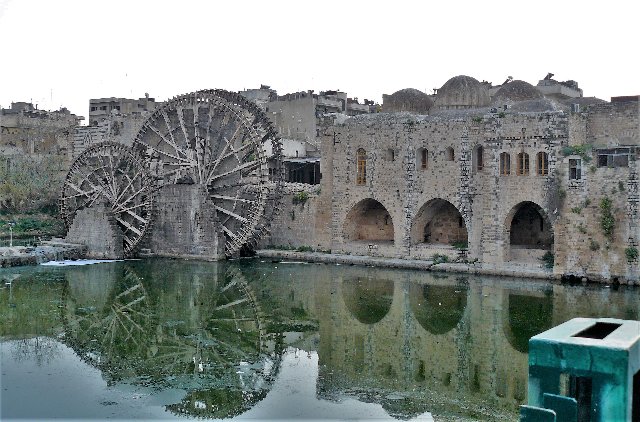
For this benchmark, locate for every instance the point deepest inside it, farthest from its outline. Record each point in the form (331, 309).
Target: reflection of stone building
(441, 343)
(449, 336)
(511, 173)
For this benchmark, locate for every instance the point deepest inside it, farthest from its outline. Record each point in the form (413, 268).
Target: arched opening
(361, 167)
(439, 222)
(369, 220)
(478, 158)
(438, 309)
(368, 300)
(530, 232)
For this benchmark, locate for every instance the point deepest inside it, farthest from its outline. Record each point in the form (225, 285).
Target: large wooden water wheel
(113, 174)
(218, 139)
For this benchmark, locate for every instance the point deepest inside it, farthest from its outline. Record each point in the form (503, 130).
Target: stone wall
(117, 128)
(296, 224)
(481, 193)
(186, 224)
(96, 228)
(482, 198)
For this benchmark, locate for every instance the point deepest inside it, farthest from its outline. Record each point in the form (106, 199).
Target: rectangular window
(575, 169)
(543, 164)
(522, 167)
(615, 157)
(505, 164)
(425, 159)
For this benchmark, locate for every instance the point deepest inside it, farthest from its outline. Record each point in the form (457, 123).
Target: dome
(409, 100)
(517, 91)
(462, 92)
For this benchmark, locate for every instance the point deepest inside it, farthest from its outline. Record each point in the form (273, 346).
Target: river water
(249, 339)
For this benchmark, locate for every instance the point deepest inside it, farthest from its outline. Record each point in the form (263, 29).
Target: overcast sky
(64, 52)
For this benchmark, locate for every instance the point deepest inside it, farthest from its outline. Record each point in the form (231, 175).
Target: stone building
(101, 108)
(25, 130)
(504, 186)
(297, 118)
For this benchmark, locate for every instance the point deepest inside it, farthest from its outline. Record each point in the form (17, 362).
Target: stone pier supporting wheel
(113, 174)
(218, 139)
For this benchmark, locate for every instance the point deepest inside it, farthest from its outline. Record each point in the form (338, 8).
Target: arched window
(361, 160)
(450, 154)
(422, 158)
(543, 163)
(505, 164)
(478, 158)
(522, 166)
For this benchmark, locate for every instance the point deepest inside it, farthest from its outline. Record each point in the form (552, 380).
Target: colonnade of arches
(439, 222)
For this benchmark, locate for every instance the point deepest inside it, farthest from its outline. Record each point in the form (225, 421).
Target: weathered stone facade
(96, 228)
(186, 224)
(519, 184)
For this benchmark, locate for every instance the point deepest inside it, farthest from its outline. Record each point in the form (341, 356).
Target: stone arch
(438, 221)
(368, 300)
(368, 220)
(438, 309)
(529, 226)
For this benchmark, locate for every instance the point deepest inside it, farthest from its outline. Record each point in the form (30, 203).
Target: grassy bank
(28, 226)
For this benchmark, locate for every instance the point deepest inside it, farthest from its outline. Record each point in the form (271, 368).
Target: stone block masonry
(96, 228)
(522, 186)
(186, 224)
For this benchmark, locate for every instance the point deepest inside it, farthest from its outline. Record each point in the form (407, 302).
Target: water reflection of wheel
(203, 335)
(229, 334)
(120, 328)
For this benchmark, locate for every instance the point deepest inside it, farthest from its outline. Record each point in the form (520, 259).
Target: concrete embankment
(17, 256)
(414, 264)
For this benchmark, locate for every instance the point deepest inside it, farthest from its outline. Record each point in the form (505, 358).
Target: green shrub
(584, 151)
(30, 185)
(607, 222)
(576, 210)
(594, 246)
(548, 259)
(304, 249)
(439, 258)
(300, 197)
(631, 253)
(460, 245)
